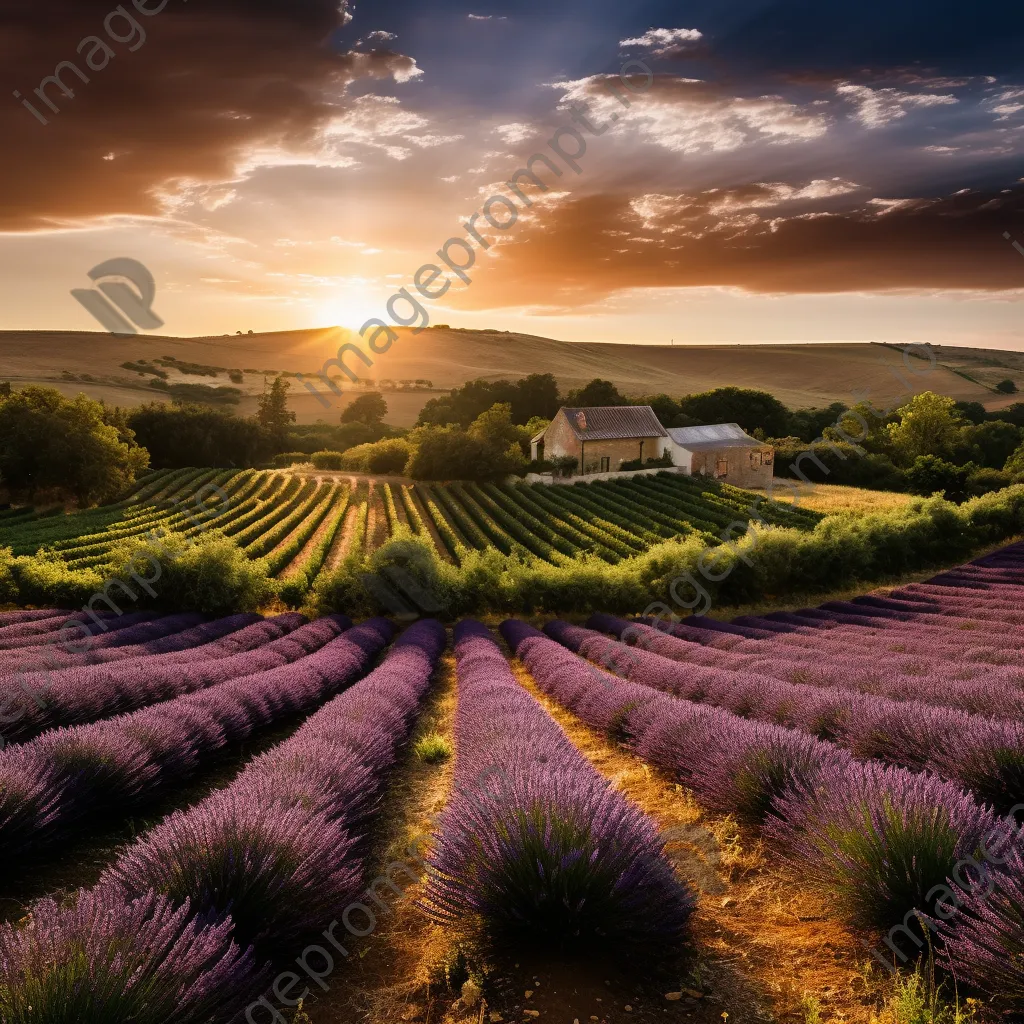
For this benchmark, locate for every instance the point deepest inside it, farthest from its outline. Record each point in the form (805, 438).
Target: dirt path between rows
(766, 948)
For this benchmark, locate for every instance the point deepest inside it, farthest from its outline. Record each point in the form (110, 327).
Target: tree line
(56, 448)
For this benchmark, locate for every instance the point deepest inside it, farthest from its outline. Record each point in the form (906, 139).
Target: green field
(301, 528)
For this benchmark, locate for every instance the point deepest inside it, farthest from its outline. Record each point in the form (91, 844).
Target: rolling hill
(799, 375)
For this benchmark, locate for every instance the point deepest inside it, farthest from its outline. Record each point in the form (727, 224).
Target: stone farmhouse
(602, 439)
(723, 451)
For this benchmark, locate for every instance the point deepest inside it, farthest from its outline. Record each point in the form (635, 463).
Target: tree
(445, 453)
(973, 411)
(272, 411)
(990, 444)
(810, 424)
(1013, 414)
(370, 408)
(49, 443)
(749, 408)
(849, 426)
(495, 428)
(506, 446)
(196, 435)
(597, 393)
(929, 424)
(665, 408)
(535, 395)
(929, 475)
(1007, 387)
(1015, 463)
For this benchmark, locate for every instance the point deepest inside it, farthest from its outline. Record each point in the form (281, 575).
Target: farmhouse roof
(609, 423)
(718, 435)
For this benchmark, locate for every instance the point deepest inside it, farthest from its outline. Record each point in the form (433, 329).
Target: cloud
(377, 36)
(486, 17)
(720, 209)
(587, 249)
(879, 107)
(212, 83)
(514, 133)
(666, 42)
(685, 115)
(381, 123)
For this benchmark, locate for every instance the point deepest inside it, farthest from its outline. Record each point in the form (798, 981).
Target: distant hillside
(799, 375)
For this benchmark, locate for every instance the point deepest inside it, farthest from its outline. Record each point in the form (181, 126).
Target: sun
(350, 309)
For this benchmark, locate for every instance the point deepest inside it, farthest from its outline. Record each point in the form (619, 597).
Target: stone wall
(743, 467)
(560, 439)
(617, 452)
(568, 481)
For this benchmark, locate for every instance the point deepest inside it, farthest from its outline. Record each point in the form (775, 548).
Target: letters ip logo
(121, 308)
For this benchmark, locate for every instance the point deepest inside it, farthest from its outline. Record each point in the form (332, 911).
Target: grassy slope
(799, 375)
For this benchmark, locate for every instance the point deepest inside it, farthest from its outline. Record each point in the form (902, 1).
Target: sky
(747, 171)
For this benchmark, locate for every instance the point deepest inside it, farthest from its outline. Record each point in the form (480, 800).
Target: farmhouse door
(606, 464)
(722, 468)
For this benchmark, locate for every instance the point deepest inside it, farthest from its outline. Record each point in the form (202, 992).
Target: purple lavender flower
(534, 839)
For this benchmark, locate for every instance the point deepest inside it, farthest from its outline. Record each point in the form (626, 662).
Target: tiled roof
(609, 423)
(718, 435)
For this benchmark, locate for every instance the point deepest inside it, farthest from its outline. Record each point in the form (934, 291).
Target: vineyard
(872, 747)
(301, 529)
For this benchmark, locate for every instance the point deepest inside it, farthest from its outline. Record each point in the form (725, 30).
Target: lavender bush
(105, 960)
(51, 784)
(285, 840)
(534, 839)
(984, 755)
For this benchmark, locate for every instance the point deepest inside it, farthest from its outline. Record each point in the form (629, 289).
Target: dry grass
(799, 375)
(835, 499)
(388, 979)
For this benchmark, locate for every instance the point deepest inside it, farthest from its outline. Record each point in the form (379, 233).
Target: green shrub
(286, 459)
(387, 457)
(837, 463)
(8, 580)
(293, 590)
(839, 552)
(44, 579)
(327, 460)
(403, 577)
(984, 481)
(210, 575)
(433, 748)
(565, 465)
(931, 475)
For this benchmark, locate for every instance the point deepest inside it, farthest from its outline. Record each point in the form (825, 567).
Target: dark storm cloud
(210, 79)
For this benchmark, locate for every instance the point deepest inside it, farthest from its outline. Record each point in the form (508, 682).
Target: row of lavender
(49, 785)
(534, 840)
(985, 755)
(185, 924)
(876, 742)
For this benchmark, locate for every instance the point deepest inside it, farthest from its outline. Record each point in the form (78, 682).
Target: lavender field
(874, 748)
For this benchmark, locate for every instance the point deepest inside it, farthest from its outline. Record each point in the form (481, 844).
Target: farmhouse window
(755, 459)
